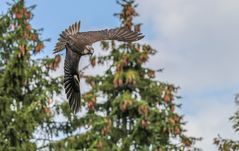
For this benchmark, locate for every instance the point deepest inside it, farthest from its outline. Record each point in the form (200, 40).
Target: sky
(197, 43)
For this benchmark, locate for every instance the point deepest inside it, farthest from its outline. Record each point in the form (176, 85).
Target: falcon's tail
(71, 30)
(124, 34)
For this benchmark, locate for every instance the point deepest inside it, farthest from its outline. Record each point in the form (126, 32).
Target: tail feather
(71, 30)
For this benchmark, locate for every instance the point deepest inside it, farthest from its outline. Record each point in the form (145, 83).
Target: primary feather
(72, 79)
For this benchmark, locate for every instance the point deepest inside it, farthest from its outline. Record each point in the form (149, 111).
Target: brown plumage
(78, 44)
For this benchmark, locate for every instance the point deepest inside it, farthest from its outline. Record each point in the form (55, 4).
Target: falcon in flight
(78, 44)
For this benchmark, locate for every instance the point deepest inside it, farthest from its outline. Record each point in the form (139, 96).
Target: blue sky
(197, 43)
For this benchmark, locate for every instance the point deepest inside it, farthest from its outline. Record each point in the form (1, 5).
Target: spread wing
(72, 79)
(120, 34)
(64, 36)
(72, 36)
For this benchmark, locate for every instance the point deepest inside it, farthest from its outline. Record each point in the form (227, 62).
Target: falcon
(78, 44)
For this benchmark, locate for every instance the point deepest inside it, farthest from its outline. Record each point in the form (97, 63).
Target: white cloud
(210, 120)
(196, 39)
(198, 47)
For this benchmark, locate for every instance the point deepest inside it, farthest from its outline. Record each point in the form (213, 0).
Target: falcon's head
(88, 50)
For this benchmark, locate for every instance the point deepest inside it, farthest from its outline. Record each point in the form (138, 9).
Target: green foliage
(226, 144)
(26, 88)
(126, 108)
(229, 144)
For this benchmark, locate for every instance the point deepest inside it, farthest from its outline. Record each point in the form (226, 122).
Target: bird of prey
(78, 44)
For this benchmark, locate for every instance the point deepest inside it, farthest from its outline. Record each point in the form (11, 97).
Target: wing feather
(72, 85)
(64, 36)
(120, 34)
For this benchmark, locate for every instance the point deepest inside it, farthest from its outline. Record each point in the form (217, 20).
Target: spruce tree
(26, 88)
(126, 108)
